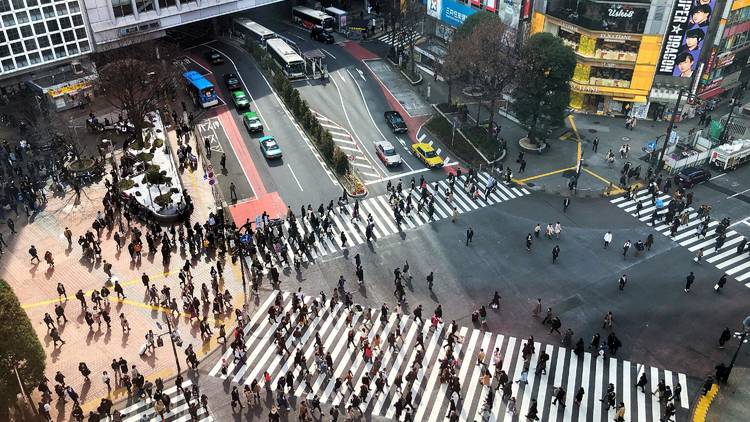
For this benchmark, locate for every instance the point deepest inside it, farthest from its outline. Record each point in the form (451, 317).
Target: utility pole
(724, 131)
(660, 162)
(171, 339)
(742, 337)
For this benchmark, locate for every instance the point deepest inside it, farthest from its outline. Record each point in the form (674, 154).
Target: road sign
(258, 221)
(245, 238)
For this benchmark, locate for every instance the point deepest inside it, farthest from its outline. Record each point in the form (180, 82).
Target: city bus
(291, 63)
(247, 28)
(200, 89)
(309, 18)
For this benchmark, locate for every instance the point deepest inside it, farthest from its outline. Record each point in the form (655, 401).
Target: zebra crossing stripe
(544, 378)
(583, 409)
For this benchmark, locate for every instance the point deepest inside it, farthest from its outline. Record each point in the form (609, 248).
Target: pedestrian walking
(469, 235)
(607, 239)
(726, 335)
(642, 381)
(34, 254)
(689, 281)
(698, 256)
(555, 253)
(720, 284)
(622, 282)
(537, 309)
(430, 278)
(566, 204)
(625, 247)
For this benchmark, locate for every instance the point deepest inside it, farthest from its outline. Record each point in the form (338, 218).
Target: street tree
(470, 23)
(138, 78)
(454, 65)
(541, 94)
(20, 351)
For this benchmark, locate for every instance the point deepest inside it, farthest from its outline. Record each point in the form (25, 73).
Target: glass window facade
(602, 15)
(122, 8)
(35, 32)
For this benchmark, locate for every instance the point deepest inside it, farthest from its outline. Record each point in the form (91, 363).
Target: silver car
(387, 154)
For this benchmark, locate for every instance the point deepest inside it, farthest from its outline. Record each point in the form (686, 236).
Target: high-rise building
(617, 44)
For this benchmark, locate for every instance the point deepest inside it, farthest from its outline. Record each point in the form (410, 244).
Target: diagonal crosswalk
(383, 216)
(400, 38)
(327, 332)
(726, 258)
(179, 410)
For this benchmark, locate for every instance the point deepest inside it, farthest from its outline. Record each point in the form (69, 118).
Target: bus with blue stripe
(201, 90)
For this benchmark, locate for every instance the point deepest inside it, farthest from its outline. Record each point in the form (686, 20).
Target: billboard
(455, 13)
(686, 33)
(434, 7)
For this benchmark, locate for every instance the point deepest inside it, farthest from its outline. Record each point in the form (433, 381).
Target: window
(21, 61)
(30, 45)
(4, 6)
(73, 7)
(69, 36)
(52, 25)
(81, 33)
(39, 28)
(61, 10)
(12, 34)
(8, 65)
(47, 55)
(72, 49)
(17, 4)
(144, 5)
(77, 20)
(4, 51)
(60, 52)
(122, 8)
(22, 17)
(65, 22)
(26, 31)
(43, 41)
(49, 12)
(84, 45)
(31, 3)
(17, 47)
(8, 20)
(56, 39)
(36, 14)
(34, 58)
(166, 3)
(2, 37)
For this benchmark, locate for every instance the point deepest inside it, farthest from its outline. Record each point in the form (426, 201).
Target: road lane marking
(295, 177)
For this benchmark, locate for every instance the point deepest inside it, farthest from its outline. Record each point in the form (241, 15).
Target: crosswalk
(178, 412)
(384, 222)
(399, 39)
(431, 401)
(439, 151)
(343, 139)
(726, 258)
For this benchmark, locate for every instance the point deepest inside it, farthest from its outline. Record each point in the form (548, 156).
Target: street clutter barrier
(322, 138)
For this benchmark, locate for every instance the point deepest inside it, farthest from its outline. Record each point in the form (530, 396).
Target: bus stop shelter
(315, 63)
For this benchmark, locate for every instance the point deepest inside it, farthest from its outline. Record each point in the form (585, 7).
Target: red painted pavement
(270, 203)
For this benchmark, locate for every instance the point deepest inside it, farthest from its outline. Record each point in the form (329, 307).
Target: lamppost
(724, 131)
(171, 339)
(660, 163)
(742, 336)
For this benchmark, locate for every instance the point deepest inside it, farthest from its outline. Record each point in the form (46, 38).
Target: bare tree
(454, 65)
(137, 78)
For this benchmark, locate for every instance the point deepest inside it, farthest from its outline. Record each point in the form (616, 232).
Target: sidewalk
(35, 286)
(552, 170)
(731, 403)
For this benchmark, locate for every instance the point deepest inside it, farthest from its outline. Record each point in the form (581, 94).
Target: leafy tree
(469, 24)
(19, 350)
(541, 93)
(137, 78)
(157, 178)
(340, 161)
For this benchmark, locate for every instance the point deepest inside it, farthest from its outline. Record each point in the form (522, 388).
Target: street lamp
(660, 163)
(724, 131)
(171, 339)
(742, 336)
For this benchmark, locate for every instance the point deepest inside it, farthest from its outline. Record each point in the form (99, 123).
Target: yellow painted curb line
(704, 403)
(539, 176)
(616, 190)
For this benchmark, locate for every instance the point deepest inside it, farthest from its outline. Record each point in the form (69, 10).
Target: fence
(673, 166)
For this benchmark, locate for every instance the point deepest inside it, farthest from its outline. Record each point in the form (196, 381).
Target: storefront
(68, 87)
(614, 70)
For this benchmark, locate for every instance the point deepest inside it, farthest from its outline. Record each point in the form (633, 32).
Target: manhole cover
(592, 130)
(530, 184)
(626, 138)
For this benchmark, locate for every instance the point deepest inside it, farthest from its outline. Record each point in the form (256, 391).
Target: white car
(387, 154)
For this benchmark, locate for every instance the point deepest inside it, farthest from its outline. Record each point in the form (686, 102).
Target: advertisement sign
(455, 13)
(684, 39)
(509, 11)
(434, 7)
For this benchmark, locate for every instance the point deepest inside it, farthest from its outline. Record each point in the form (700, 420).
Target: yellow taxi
(427, 155)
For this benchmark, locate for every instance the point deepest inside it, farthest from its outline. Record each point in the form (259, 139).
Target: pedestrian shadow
(107, 336)
(434, 297)
(49, 273)
(60, 408)
(125, 338)
(85, 388)
(33, 269)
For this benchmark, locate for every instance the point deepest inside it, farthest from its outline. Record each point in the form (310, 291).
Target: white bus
(247, 28)
(309, 18)
(291, 63)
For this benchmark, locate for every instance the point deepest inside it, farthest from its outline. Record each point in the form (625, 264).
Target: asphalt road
(298, 176)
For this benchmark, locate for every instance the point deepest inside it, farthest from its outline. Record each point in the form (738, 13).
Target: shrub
(308, 120)
(158, 143)
(340, 161)
(302, 107)
(125, 184)
(294, 102)
(145, 156)
(164, 199)
(326, 146)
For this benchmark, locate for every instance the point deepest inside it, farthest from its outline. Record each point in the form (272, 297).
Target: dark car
(214, 58)
(395, 121)
(232, 82)
(320, 34)
(691, 176)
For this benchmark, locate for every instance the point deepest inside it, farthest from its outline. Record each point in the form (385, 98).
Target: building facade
(617, 46)
(114, 23)
(727, 63)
